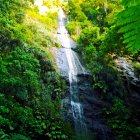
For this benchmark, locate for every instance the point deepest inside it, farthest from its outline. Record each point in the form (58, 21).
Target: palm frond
(129, 22)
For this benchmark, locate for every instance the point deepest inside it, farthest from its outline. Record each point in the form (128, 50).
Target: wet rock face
(127, 71)
(92, 109)
(131, 80)
(92, 106)
(62, 63)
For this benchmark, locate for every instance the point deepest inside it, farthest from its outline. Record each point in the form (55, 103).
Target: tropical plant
(129, 22)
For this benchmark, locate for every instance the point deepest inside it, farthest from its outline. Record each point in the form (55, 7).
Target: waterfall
(80, 104)
(74, 68)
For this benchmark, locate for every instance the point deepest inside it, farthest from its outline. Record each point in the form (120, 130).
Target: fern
(129, 22)
(130, 3)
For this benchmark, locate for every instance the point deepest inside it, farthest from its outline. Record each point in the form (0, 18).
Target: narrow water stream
(74, 68)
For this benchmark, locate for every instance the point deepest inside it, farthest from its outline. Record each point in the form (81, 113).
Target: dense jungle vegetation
(104, 30)
(30, 85)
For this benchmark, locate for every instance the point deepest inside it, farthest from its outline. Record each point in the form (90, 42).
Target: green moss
(136, 65)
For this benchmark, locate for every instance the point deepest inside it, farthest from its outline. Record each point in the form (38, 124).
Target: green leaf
(129, 22)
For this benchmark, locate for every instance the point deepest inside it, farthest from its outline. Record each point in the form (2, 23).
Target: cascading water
(80, 106)
(75, 67)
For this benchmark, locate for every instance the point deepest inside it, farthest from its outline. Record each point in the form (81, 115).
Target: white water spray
(74, 67)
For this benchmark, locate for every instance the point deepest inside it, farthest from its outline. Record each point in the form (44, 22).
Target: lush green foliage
(129, 20)
(30, 87)
(96, 33)
(122, 123)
